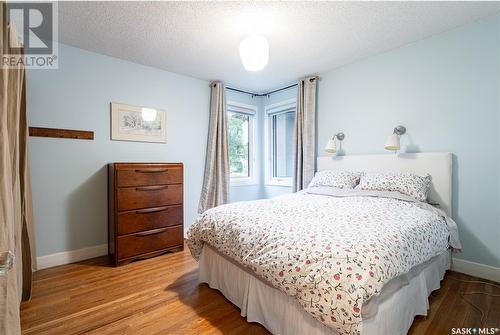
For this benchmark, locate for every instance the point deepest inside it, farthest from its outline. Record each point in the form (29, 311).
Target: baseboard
(476, 269)
(71, 256)
(66, 257)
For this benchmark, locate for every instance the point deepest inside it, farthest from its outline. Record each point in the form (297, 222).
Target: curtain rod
(259, 94)
(267, 93)
(241, 91)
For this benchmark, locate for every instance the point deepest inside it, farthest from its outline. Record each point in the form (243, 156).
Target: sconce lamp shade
(392, 142)
(331, 146)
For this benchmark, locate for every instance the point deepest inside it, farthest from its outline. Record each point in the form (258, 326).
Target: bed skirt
(390, 313)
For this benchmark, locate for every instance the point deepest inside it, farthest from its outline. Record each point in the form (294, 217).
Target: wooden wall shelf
(61, 133)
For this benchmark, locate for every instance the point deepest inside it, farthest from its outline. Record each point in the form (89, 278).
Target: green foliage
(238, 145)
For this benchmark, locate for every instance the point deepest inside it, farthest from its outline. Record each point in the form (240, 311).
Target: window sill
(278, 183)
(242, 182)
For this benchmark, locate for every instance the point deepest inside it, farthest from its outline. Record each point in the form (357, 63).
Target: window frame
(251, 111)
(270, 111)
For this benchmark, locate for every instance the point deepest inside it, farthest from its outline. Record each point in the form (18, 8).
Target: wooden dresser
(145, 210)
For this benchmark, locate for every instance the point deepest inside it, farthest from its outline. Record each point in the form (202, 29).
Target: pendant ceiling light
(254, 53)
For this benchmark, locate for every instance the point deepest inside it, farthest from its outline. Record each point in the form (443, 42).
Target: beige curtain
(305, 134)
(215, 190)
(16, 230)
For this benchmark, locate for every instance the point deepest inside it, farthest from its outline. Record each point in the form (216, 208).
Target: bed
(330, 262)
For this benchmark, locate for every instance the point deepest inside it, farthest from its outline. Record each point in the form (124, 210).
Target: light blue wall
(446, 91)
(69, 176)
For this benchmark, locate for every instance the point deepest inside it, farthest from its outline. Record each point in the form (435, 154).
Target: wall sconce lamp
(393, 140)
(331, 146)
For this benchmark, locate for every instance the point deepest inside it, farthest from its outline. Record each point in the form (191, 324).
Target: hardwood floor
(161, 296)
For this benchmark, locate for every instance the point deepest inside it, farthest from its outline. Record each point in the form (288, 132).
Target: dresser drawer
(149, 218)
(149, 241)
(148, 196)
(148, 175)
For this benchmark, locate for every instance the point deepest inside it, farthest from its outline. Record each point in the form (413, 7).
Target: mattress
(332, 253)
(390, 313)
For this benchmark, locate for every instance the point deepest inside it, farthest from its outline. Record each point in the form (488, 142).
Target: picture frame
(138, 124)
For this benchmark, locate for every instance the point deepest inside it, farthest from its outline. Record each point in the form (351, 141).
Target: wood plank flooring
(161, 296)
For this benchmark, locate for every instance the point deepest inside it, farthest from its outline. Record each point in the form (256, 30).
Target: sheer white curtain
(305, 134)
(215, 190)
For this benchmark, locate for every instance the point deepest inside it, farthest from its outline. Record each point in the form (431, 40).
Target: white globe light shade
(392, 142)
(331, 146)
(254, 53)
(148, 114)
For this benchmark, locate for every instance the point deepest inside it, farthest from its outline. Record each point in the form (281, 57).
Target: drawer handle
(151, 210)
(152, 171)
(151, 232)
(151, 188)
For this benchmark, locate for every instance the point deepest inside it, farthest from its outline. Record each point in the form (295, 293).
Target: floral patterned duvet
(329, 253)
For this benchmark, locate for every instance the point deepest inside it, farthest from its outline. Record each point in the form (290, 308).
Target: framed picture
(133, 123)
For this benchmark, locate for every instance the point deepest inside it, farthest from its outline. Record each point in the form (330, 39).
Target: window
(279, 144)
(241, 155)
(282, 132)
(239, 144)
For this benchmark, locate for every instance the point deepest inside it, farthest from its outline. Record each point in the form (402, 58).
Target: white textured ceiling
(201, 39)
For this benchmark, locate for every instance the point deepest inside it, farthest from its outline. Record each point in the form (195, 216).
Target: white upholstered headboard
(437, 164)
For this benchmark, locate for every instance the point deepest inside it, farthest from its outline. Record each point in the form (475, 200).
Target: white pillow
(417, 187)
(337, 179)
